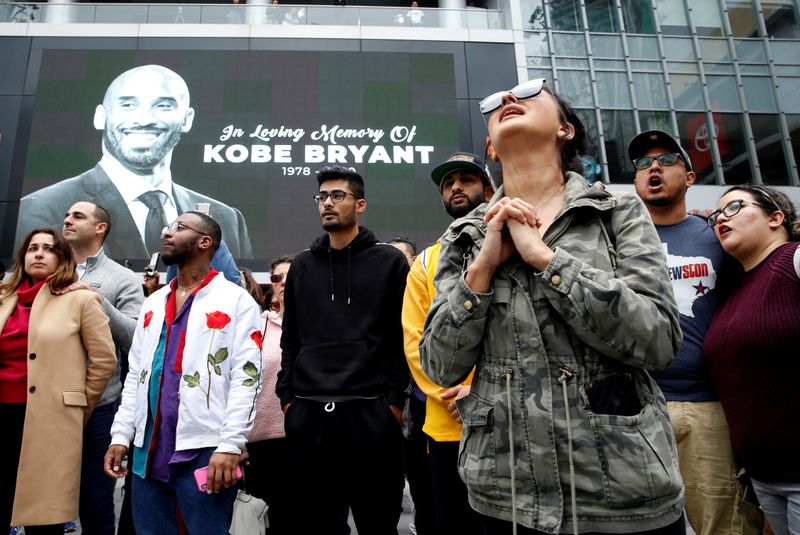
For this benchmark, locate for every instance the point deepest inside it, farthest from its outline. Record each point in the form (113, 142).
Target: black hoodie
(342, 334)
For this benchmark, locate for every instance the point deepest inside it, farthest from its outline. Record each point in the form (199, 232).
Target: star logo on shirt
(701, 290)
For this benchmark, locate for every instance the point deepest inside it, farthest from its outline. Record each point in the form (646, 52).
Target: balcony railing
(253, 14)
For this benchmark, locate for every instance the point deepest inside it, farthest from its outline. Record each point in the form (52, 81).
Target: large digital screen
(142, 132)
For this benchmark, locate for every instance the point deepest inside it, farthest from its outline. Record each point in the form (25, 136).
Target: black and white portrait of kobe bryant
(143, 115)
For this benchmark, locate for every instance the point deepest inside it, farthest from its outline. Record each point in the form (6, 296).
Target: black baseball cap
(460, 160)
(656, 138)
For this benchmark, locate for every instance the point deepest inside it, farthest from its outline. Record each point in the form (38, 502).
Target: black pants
(494, 526)
(453, 512)
(13, 417)
(267, 477)
(418, 471)
(345, 455)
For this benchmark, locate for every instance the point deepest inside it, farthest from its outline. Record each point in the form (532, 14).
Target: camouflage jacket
(580, 319)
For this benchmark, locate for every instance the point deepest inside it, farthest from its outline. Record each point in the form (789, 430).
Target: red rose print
(147, 317)
(217, 320)
(258, 338)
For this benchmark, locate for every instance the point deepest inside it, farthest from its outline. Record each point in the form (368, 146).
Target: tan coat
(70, 359)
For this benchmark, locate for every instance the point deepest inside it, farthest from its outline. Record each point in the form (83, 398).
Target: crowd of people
(562, 360)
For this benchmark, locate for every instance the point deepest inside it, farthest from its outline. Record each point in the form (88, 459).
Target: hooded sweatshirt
(342, 336)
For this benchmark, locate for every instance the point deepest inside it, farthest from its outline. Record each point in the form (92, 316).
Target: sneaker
(70, 527)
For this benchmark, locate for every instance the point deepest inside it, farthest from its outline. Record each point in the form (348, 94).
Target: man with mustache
(697, 267)
(144, 113)
(464, 185)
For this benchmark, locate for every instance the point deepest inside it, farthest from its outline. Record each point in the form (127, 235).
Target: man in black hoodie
(343, 371)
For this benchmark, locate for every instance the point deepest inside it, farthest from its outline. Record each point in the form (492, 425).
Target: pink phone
(201, 477)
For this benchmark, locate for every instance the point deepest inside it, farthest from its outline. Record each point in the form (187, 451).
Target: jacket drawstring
(509, 374)
(566, 375)
(330, 271)
(348, 275)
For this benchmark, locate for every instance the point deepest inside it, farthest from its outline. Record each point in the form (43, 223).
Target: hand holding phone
(201, 477)
(223, 470)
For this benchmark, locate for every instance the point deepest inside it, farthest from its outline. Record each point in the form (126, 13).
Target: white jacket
(220, 416)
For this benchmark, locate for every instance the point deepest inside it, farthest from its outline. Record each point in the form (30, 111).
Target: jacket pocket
(74, 398)
(638, 460)
(476, 454)
(334, 368)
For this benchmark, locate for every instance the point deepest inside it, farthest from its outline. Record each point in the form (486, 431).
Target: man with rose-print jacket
(189, 398)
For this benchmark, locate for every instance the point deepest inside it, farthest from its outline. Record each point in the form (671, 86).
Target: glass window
(536, 62)
(638, 17)
(689, 68)
(672, 17)
(722, 93)
(655, 120)
(573, 62)
(789, 89)
(694, 135)
(753, 69)
(786, 52)
(536, 44)
(576, 88)
(532, 14)
(612, 90)
(714, 50)
(618, 127)
(759, 94)
(678, 49)
(641, 47)
(707, 18)
(719, 68)
(592, 168)
(742, 17)
(651, 93)
(732, 148)
(647, 66)
(606, 46)
(769, 149)
(565, 15)
(686, 92)
(750, 51)
(794, 134)
(608, 64)
(602, 16)
(569, 44)
(784, 70)
(547, 74)
(781, 18)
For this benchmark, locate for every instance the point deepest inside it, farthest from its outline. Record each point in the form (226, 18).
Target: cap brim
(438, 174)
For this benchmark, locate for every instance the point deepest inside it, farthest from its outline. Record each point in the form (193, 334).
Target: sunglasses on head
(528, 89)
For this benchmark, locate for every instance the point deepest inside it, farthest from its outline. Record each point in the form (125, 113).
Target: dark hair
(774, 200)
(211, 227)
(252, 286)
(580, 144)
(102, 215)
(336, 172)
(63, 276)
(406, 240)
(283, 259)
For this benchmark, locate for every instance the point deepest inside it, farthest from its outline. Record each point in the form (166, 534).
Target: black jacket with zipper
(342, 337)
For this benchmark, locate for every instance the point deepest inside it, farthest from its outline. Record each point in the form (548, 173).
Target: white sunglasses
(528, 89)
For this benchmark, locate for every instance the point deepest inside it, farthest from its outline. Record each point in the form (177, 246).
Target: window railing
(252, 14)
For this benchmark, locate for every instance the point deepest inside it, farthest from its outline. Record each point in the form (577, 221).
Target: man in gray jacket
(86, 226)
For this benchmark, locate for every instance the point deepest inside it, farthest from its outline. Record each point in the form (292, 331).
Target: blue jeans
(781, 505)
(155, 503)
(97, 489)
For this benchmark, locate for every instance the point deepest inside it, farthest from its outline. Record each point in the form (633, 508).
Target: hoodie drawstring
(348, 275)
(330, 270)
(566, 375)
(512, 461)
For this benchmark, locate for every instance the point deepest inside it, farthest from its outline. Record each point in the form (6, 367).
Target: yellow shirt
(439, 425)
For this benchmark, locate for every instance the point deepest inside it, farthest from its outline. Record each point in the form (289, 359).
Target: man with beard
(143, 115)
(343, 374)
(464, 185)
(189, 397)
(697, 265)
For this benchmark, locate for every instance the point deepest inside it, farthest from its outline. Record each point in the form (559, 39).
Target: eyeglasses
(528, 89)
(667, 159)
(730, 210)
(175, 226)
(276, 278)
(336, 196)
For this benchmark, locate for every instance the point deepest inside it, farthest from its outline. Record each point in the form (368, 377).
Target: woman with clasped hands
(56, 357)
(558, 294)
